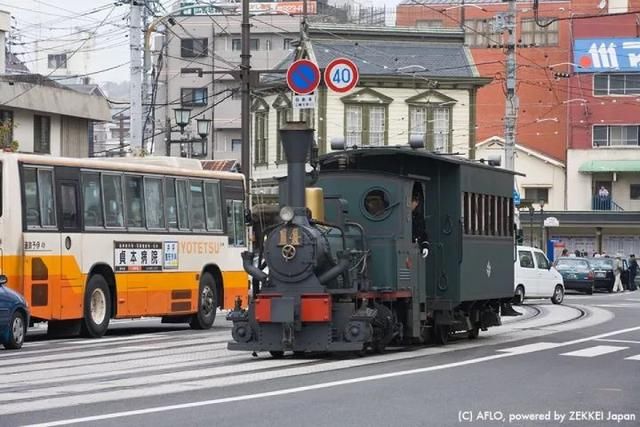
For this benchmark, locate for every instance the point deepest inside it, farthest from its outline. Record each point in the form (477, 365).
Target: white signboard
(551, 222)
(304, 101)
(170, 261)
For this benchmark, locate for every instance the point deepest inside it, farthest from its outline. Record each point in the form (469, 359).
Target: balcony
(605, 204)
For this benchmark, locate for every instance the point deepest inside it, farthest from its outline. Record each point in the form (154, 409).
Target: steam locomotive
(341, 272)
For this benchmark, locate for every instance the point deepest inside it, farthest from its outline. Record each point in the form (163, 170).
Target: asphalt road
(576, 364)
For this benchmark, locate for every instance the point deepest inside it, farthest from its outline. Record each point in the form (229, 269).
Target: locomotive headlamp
(286, 213)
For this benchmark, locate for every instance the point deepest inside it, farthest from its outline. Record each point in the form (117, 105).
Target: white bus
(88, 240)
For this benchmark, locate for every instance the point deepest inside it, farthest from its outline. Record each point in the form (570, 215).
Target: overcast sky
(38, 20)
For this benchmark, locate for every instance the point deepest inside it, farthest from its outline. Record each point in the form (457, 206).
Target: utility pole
(245, 91)
(121, 133)
(511, 102)
(146, 77)
(135, 39)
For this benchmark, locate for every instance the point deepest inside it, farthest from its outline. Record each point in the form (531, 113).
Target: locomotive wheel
(277, 354)
(441, 334)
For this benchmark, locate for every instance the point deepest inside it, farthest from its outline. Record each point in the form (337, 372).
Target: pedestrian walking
(633, 272)
(617, 271)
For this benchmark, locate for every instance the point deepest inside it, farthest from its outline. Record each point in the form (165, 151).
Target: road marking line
(319, 386)
(528, 348)
(636, 357)
(621, 341)
(598, 350)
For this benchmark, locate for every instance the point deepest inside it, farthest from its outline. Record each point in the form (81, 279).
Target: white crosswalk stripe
(597, 350)
(636, 357)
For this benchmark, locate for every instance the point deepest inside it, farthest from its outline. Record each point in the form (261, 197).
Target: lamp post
(532, 210)
(542, 225)
(203, 126)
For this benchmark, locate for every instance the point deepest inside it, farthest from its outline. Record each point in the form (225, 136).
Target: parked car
(577, 274)
(603, 273)
(535, 277)
(14, 317)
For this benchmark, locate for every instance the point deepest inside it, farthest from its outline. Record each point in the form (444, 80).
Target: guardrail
(605, 204)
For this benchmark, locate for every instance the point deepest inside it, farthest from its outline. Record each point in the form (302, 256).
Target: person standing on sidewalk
(617, 271)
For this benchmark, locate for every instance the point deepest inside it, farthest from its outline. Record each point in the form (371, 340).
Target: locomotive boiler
(348, 274)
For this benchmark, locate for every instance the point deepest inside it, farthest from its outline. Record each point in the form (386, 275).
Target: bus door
(70, 226)
(41, 242)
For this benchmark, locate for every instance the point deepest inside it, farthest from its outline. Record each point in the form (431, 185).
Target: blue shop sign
(606, 55)
(516, 197)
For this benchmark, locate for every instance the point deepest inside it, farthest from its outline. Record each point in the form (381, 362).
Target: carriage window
(197, 205)
(31, 196)
(171, 202)
(133, 196)
(45, 190)
(153, 202)
(212, 199)
(499, 220)
(466, 206)
(183, 205)
(92, 198)
(376, 203)
(112, 194)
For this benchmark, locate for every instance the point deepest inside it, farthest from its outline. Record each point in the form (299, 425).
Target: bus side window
(47, 205)
(235, 222)
(31, 196)
(112, 195)
(212, 199)
(171, 202)
(183, 205)
(92, 200)
(133, 196)
(197, 205)
(153, 203)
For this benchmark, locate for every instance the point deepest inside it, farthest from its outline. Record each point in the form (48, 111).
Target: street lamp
(203, 126)
(182, 117)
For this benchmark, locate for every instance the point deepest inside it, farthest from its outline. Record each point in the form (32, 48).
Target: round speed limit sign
(341, 75)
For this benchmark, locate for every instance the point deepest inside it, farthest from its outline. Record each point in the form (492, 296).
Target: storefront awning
(595, 166)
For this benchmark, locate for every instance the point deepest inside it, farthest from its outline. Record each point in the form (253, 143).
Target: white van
(536, 277)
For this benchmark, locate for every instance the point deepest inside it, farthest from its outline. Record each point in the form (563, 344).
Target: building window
(261, 137)
(533, 34)
(194, 97)
(612, 136)
(634, 191)
(58, 61)
(236, 145)
(616, 84)
(236, 44)
(537, 195)
(286, 45)
(254, 44)
(365, 124)
(41, 134)
(477, 33)
(429, 23)
(6, 128)
(283, 115)
(193, 48)
(432, 124)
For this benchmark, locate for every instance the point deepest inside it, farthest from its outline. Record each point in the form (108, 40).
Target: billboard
(606, 55)
(221, 8)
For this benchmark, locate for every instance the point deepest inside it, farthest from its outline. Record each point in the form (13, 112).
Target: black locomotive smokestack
(297, 140)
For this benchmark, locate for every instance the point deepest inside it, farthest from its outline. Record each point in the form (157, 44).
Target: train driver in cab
(418, 226)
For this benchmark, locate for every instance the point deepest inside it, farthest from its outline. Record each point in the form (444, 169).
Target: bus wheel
(97, 307)
(207, 303)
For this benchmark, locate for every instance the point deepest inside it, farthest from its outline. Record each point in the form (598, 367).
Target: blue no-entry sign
(303, 76)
